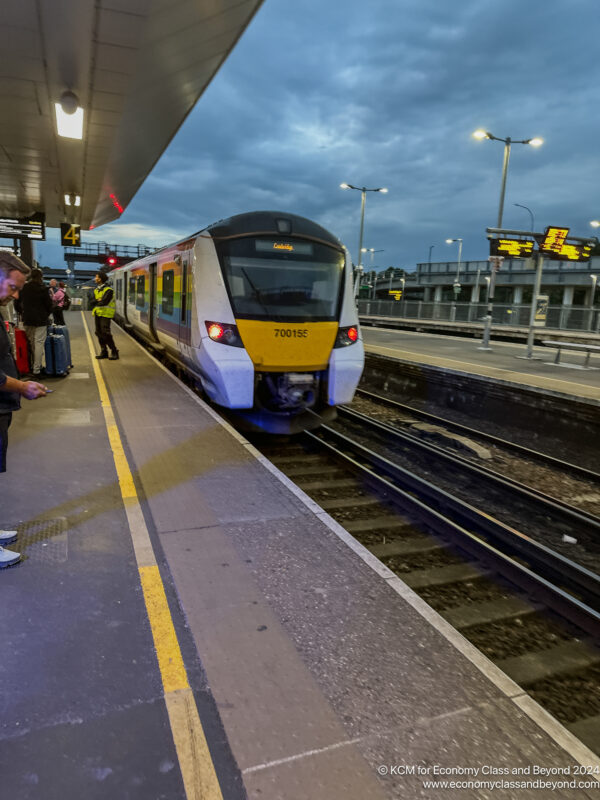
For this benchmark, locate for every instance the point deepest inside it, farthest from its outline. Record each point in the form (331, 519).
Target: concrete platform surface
(503, 363)
(315, 672)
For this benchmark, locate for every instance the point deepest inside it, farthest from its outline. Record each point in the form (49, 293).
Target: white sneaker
(8, 557)
(6, 537)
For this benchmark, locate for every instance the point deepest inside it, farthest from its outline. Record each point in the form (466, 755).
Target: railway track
(530, 609)
(502, 444)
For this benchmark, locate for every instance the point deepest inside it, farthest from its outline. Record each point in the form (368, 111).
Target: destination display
(32, 227)
(554, 246)
(511, 248)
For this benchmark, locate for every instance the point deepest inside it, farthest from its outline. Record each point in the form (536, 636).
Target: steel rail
(535, 455)
(433, 505)
(548, 504)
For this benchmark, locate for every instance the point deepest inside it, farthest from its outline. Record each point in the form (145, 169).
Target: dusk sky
(387, 93)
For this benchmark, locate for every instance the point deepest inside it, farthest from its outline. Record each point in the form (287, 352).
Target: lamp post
(372, 251)
(431, 246)
(530, 214)
(594, 279)
(456, 285)
(535, 142)
(364, 191)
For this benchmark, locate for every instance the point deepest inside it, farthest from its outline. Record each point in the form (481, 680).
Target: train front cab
(292, 321)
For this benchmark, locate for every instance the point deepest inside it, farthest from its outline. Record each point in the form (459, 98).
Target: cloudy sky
(387, 93)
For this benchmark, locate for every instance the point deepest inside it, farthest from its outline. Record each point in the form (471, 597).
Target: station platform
(503, 363)
(504, 332)
(185, 623)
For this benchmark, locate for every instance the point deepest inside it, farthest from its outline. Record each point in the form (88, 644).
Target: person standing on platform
(58, 301)
(103, 310)
(13, 273)
(35, 306)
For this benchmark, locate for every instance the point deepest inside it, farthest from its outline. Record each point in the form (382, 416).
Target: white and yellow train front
(272, 330)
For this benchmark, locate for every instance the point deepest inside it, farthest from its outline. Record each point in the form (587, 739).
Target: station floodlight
(69, 116)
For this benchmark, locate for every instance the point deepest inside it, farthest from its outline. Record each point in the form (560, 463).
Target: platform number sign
(70, 235)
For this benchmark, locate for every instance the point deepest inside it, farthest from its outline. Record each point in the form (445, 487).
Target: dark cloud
(387, 93)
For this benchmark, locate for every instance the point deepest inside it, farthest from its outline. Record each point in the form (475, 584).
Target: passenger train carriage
(260, 309)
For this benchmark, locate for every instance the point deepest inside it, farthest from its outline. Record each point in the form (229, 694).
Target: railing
(574, 318)
(102, 248)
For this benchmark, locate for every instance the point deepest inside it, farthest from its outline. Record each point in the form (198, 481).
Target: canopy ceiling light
(69, 116)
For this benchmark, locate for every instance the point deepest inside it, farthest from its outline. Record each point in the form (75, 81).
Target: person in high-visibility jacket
(103, 309)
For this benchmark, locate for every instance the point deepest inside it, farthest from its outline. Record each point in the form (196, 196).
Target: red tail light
(346, 336)
(215, 331)
(224, 333)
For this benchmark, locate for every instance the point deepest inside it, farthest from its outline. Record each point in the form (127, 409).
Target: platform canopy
(135, 67)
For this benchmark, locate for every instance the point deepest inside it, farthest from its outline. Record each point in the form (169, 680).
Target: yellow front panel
(288, 346)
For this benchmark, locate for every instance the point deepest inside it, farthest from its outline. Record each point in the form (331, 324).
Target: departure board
(554, 246)
(511, 248)
(32, 227)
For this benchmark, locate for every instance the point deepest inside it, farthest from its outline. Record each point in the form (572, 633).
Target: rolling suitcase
(21, 351)
(62, 330)
(56, 355)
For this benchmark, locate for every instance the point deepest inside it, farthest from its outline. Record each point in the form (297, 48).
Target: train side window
(168, 291)
(132, 285)
(119, 289)
(184, 288)
(140, 297)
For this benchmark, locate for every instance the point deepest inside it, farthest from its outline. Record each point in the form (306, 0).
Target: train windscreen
(283, 280)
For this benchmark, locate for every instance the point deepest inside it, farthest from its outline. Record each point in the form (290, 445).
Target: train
(259, 310)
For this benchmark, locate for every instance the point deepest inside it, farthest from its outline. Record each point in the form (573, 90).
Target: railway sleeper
(377, 523)
(343, 503)
(465, 616)
(586, 730)
(317, 471)
(325, 483)
(412, 546)
(567, 657)
(439, 576)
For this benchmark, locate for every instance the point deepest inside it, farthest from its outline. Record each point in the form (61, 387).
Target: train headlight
(224, 333)
(346, 336)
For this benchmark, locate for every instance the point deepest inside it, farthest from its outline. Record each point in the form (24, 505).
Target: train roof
(274, 223)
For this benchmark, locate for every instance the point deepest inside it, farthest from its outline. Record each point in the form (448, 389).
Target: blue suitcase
(62, 330)
(56, 355)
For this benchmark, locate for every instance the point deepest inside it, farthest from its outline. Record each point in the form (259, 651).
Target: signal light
(111, 260)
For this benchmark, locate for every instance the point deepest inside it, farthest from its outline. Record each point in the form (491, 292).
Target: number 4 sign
(70, 235)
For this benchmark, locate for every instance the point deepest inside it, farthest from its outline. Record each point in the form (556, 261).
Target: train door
(119, 292)
(184, 327)
(125, 295)
(152, 301)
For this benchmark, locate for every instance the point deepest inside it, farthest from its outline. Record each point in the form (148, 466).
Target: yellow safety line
(197, 769)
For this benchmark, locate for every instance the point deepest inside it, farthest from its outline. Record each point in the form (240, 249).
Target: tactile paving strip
(44, 541)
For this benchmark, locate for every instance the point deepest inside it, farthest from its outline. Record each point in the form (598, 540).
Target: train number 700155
(291, 333)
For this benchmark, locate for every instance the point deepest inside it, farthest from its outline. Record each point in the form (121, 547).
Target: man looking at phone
(13, 274)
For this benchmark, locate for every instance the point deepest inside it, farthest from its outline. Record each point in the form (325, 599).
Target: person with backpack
(34, 305)
(60, 301)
